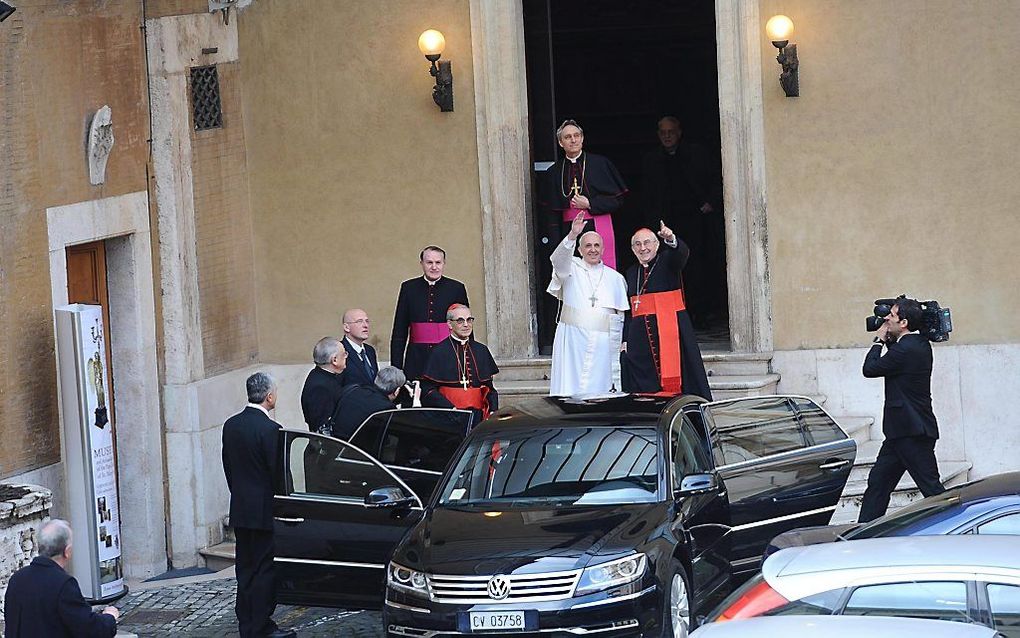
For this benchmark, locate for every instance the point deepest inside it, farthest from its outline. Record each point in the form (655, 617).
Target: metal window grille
(206, 109)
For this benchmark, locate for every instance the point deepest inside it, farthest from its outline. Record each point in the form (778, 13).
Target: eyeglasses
(463, 320)
(647, 242)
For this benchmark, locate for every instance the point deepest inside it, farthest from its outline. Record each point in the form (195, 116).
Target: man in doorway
(419, 322)
(364, 365)
(680, 187)
(590, 328)
(42, 599)
(908, 421)
(250, 463)
(582, 182)
(324, 384)
(660, 352)
(459, 371)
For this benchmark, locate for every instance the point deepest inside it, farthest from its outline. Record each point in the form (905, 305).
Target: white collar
(459, 340)
(260, 407)
(357, 347)
(429, 281)
(574, 160)
(912, 332)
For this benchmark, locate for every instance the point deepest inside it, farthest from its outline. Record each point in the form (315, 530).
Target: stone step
(857, 427)
(951, 472)
(867, 452)
(218, 557)
(723, 387)
(716, 364)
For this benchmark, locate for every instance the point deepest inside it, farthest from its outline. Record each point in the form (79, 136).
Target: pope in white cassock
(586, 350)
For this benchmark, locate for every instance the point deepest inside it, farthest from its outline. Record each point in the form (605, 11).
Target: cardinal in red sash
(660, 351)
(459, 370)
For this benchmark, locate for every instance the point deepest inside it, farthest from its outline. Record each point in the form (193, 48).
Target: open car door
(416, 444)
(784, 462)
(338, 514)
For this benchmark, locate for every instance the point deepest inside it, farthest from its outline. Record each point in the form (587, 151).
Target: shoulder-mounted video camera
(936, 321)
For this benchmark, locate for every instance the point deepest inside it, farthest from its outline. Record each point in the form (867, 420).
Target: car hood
(471, 541)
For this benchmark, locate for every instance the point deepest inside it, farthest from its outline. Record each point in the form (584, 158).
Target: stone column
(738, 41)
(501, 112)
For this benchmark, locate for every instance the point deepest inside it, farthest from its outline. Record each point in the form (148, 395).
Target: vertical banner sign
(88, 452)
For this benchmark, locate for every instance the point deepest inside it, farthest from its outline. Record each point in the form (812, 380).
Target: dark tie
(367, 364)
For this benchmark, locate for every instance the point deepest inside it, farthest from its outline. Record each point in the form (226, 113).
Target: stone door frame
(501, 113)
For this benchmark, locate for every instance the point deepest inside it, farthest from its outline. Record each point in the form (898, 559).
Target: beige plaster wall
(352, 166)
(895, 171)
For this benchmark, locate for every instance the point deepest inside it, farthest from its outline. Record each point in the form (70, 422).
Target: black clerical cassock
(420, 321)
(662, 352)
(459, 375)
(595, 177)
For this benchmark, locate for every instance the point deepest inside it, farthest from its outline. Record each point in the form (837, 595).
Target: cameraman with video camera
(908, 421)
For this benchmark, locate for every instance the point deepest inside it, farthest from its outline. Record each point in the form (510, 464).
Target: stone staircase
(731, 375)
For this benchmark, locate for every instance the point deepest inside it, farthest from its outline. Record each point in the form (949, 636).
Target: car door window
(1008, 524)
(324, 466)
(423, 439)
(936, 600)
(750, 429)
(818, 426)
(687, 444)
(1004, 602)
(369, 433)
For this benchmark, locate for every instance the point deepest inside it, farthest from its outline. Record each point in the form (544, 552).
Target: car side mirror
(697, 484)
(388, 497)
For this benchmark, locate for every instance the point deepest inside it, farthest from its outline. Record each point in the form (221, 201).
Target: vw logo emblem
(498, 587)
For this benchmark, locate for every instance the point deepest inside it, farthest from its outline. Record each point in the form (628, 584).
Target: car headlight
(611, 574)
(406, 580)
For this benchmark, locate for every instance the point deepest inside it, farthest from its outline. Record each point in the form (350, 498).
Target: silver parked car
(962, 578)
(842, 627)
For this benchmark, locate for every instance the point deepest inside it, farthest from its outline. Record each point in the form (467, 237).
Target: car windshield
(904, 517)
(559, 466)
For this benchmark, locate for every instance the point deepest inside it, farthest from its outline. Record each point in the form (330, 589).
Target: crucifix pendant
(464, 381)
(637, 302)
(575, 189)
(593, 299)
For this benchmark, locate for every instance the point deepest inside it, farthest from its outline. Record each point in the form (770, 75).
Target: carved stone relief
(100, 145)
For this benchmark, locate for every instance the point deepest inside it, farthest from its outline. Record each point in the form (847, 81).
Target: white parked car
(965, 578)
(842, 627)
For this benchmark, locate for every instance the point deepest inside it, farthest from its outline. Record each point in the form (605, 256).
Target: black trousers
(256, 582)
(913, 454)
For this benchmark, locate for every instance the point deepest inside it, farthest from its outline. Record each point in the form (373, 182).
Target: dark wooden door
(86, 284)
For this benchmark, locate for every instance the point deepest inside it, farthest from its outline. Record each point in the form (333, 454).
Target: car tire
(676, 614)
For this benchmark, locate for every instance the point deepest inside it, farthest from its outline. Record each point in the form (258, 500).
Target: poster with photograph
(92, 478)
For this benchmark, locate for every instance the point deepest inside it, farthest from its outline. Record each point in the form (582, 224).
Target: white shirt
(260, 407)
(358, 347)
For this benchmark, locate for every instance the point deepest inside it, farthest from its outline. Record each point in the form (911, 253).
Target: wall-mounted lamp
(779, 29)
(5, 11)
(432, 43)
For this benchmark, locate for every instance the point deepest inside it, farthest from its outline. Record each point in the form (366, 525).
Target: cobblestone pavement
(206, 610)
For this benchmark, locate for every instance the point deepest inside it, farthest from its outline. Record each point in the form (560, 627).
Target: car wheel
(677, 623)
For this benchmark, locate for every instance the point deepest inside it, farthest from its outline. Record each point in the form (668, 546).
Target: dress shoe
(282, 633)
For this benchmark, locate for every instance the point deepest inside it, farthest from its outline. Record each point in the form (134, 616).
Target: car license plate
(496, 620)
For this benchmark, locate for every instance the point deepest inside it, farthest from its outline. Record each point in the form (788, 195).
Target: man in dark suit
(362, 401)
(251, 458)
(908, 421)
(44, 600)
(324, 384)
(363, 364)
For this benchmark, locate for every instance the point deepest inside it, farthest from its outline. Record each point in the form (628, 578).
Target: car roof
(1005, 484)
(594, 410)
(842, 627)
(904, 554)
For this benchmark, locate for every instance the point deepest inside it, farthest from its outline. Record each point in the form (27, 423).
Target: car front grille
(523, 588)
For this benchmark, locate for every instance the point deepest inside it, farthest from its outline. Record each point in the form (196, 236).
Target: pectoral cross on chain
(637, 302)
(575, 190)
(594, 298)
(464, 382)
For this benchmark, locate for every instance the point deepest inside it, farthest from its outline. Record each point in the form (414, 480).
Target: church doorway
(618, 69)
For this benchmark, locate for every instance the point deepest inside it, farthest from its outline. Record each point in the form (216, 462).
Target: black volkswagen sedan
(620, 516)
